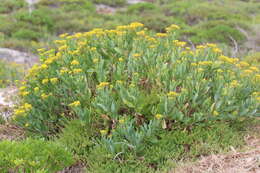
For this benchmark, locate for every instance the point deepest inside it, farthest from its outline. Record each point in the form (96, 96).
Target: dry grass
(11, 132)
(246, 161)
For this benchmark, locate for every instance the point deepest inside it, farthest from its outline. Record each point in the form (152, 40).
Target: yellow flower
(243, 64)
(103, 132)
(136, 25)
(179, 43)
(217, 50)
(44, 96)
(161, 35)
(152, 46)
(258, 98)
(253, 68)
(172, 94)
(95, 60)
(64, 47)
(63, 35)
(121, 121)
(200, 69)
(77, 70)
(158, 116)
(93, 48)
(205, 63)
(102, 85)
(141, 33)
(44, 81)
(234, 83)
(227, 59)
(215, 113)
(220, 71)
(247, 72)
(63, 70)
(36, 89)
(27, 106)
(75, 104)
(201, 47)
(22, 88)
(19, 111)
(193, 64)
(136, 55)
(120, 59)
(26, 125)
(212, 45)
(41, 50)
(54, 80)
(173, 27)
(44, 66)
(74, 62)
(25, 93)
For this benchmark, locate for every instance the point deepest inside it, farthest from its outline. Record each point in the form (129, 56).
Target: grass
(9, 73)
(164, 154)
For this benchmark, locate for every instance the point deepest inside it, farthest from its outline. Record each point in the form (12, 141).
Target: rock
(18, 57)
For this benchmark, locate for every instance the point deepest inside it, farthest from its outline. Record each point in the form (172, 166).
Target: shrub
(140, 7)
(8, 6)
(33, 155)
(130, 75)
(110, 2)
(26, 34)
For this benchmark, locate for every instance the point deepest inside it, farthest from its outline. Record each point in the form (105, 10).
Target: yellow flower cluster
(172, 94)
(102, 85)
(173, 27)
(179, 43)
(26, 107)
(228, 60)
(75, 104)
(205, 63)
(158, 116)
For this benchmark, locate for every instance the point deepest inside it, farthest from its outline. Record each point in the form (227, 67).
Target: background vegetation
(201, 21)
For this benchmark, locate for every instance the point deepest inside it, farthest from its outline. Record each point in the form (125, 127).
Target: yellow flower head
(77, 70)
(215, 113)
(161, 35)
(172, 94)
(75, 104)
(158, 116)
(103, 132)
(102, 85)
(54, 80)
(74, 62)
(44, 81)
(136, 55)
(95, 60)
(27, 106)
(36, 89)
(234, 83)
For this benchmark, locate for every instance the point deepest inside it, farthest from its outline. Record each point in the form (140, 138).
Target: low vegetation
(9, 73)
(201, 21)
(131, 99)
(33, 156)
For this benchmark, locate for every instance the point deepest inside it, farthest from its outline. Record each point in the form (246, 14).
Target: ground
(245, 161)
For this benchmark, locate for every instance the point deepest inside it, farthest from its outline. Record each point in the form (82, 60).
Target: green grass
(9, 73)
(164, 152)
(202, 21)
(33, 156)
